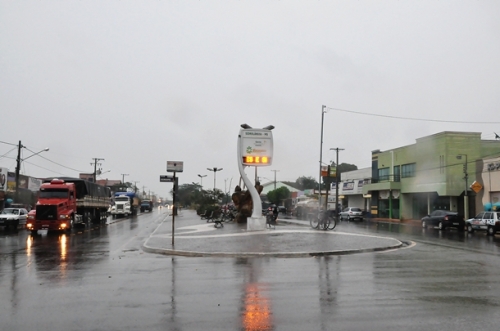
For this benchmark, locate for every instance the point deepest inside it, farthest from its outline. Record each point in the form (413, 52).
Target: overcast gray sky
(139, 83)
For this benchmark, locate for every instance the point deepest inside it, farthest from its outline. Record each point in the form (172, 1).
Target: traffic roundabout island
(286, 240)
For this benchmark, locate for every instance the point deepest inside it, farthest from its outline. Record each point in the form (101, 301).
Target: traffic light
(255, 160)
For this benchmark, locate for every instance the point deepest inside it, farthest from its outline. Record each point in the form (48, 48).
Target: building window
(397, 173)
(408, 170)
(383, 174)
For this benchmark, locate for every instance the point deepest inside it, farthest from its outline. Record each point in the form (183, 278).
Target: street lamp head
(246, 126)
(46, 149)
(269, 127)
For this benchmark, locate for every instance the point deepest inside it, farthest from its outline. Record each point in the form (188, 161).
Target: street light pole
(466, 196)
(323, 111)
(214, 169)
(201, 180)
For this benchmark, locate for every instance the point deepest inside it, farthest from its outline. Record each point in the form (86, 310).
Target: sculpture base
(256, 223)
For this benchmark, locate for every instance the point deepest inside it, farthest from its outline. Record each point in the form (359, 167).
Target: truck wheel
(490, 231)
(469, 228)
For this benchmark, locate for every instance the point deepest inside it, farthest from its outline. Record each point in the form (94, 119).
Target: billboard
(4, 175)
(256, 147)
(34, 184)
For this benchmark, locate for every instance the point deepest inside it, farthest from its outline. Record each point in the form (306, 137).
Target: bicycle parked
(322, 220)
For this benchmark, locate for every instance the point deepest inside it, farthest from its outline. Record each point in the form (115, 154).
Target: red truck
(66, 202)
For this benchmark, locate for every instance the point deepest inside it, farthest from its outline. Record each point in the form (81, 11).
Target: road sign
(175, 166)
(476, 187)
(167, 179)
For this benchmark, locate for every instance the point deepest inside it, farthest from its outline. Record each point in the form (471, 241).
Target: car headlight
(63, 217)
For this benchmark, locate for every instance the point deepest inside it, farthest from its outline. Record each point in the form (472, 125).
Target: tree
(192, 194)
(345, 167)
(306, 183)
(278, 195)
(188, 194)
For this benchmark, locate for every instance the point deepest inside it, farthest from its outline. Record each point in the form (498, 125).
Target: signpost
(173, 166)
(167, 179)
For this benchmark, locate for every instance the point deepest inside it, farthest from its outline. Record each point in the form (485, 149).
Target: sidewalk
(290, 238)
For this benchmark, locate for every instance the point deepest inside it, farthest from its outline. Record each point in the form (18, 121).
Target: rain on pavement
(101, 279)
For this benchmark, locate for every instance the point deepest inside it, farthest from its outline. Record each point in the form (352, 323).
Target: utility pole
(18, 165)
(337, 183)
(275, 178)
(123, 178)
(18, 168)
(135, 185)
(466, 177)
(95, 164)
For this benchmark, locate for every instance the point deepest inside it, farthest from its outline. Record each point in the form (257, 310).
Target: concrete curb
(271, 254)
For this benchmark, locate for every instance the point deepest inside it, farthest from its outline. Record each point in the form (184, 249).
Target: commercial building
(437, 172)
(351, 188)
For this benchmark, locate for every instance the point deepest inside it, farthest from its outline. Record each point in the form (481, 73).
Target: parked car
(488, 221)
(351, 214)
(443, 219)
(13, 217)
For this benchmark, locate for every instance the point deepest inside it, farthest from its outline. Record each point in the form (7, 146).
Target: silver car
(13, 217)
(351, 214)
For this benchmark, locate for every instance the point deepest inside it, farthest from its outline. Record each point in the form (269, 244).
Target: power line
(411, 118)
(3, 142)
(8, 153)
(51, 170)
(58, 163)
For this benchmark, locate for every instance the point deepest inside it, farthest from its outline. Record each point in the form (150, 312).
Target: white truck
(126, 203)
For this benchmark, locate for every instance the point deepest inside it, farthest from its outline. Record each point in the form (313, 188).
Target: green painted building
(411, 181)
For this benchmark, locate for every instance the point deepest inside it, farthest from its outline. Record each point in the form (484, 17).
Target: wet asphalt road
(101, 279)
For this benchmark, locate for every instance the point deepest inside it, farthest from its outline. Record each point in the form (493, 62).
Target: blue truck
(146, 205)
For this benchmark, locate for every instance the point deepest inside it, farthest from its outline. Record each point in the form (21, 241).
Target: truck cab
(146, 205)
(55, 209)
(124, 204)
